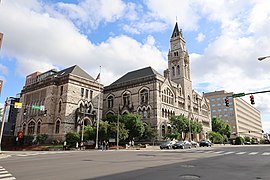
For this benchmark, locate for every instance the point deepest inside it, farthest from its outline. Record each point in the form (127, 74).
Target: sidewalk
(3, 155)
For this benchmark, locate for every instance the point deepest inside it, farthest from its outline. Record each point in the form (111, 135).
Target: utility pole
(98, 107)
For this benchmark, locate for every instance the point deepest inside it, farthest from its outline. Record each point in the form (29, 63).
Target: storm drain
(189, 176)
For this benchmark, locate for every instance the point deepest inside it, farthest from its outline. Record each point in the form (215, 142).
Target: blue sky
(223, 38)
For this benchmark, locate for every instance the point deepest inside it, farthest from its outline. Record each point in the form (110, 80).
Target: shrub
(41, 138)
(72, 138)
(239, 140)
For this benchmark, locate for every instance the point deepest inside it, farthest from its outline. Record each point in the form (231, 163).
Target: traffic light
(252, 99)
(45, 112)
(226, 101)
(24, 111)
(248, 131)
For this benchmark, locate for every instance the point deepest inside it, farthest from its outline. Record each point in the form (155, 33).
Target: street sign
(238, 95)
(35, 107)
(42, 108)
(18, 105)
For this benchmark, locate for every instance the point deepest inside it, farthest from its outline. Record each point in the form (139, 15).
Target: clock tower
(178, 62)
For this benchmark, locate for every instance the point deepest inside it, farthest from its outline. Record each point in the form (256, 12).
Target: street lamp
(263, 57)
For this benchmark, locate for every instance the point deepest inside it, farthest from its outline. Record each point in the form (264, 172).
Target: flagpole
(98, 108)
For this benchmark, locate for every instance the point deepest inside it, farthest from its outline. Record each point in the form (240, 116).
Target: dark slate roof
(76, 70)
(137, 74)
(175, 31)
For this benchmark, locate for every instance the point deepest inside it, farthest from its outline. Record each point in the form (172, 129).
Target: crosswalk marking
(253, 153)
(219, 152)
(40, 153)
(241, 153)
(5, 175)
(265, 153)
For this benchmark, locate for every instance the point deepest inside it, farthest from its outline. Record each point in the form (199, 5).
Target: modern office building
(245, 119)
(57, 102)
(156, 97)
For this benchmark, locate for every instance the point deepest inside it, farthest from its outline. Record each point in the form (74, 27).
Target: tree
(112, 131)
(182, 124)
(216, 137)
(72, 138)
(149, 133)
(133, 124)
(218, 125)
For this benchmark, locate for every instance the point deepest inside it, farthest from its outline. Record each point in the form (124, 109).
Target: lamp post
(263, 57)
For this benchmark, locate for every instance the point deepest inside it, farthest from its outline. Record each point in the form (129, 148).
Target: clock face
(175, 46)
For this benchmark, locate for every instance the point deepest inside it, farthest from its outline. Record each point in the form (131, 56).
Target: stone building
(244, 119)
(57, 102)
(155, 97)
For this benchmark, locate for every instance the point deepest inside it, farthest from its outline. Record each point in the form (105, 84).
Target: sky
(224, 38)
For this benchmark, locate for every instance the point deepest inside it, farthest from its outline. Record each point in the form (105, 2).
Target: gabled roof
(176, 31)
(76, 70)
(137, 74)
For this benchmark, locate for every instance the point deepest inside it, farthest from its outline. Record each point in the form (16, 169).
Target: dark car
(167, 145)
(182, 145)
(205, 143)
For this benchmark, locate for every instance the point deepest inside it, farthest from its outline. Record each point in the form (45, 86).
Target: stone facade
(155, 97)
(69, 97)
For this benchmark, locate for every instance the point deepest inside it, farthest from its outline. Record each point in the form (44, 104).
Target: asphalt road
(217, 163)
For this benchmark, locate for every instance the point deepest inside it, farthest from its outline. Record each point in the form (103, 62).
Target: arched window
(110, 101)
(144, 96)
(178, 70)
(126, 98)
(57, 127)
(31, 128)
(173, 71)
(38, 127)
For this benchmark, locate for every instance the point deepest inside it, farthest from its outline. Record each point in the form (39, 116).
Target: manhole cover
(189, 176)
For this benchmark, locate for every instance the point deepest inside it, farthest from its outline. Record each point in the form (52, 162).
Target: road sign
(238, 95)
(35, 107)
(20, 134)
(18, 105)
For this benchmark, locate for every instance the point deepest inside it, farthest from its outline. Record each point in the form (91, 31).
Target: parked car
(182, 145)
(205, 143)
(167, 145)
(247, 143)
(194, 144)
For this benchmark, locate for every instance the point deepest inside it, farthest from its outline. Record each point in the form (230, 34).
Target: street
(220, 162)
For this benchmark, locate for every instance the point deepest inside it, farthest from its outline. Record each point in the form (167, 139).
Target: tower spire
(175, 31)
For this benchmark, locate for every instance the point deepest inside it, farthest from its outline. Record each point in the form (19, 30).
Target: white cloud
(200, 37)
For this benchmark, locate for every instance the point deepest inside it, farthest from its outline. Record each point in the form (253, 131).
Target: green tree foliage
(90, 132)
(149, 133)
(133, 124)
(112, 131)
(72, 138)
(247, 139)
(41, 138)
(216, 137)
(239, 140)
(181, 124)
(218, 125)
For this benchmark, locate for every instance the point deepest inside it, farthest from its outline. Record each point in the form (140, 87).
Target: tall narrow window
(31, 128)
(61, 90)
(110, 101)
(38, 127)
(144, 96)
(91, 94)
(57, 127)
(178, 70)
(60, 107)
(126, 98)
(163, 130)
(82, 92)
(86, 93)
(173, 71)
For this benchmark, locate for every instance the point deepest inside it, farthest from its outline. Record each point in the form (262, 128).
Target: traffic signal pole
(243, 94)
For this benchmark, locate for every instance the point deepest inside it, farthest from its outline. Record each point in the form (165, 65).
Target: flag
(1, 85)
(1, 39)
(98, 77)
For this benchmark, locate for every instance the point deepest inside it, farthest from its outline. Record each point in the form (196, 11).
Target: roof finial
(176, 18)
